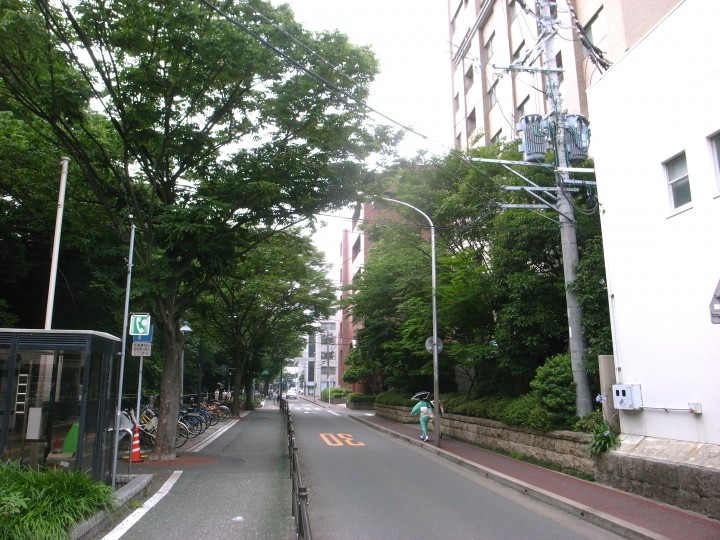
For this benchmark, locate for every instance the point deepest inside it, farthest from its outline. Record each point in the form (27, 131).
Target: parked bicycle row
(192, 421)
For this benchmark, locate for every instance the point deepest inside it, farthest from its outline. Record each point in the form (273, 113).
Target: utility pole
(583, 401)
(56, 242)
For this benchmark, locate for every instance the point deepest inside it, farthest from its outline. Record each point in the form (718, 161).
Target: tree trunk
(169, 406)
(249, 397)
(237, 387)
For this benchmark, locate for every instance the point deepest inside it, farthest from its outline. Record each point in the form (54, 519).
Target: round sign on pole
(429, 345)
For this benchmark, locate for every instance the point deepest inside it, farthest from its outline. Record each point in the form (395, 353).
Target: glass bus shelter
(58, 394)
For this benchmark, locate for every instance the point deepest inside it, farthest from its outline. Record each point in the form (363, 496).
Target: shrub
(554, 388)
(589, 422)
(396, 398)
(40, 504)
(361, 398)
(451, 401)
(604, 438)
(336, 392)
(526, 411)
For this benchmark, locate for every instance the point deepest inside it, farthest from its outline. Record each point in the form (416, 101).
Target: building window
(595, 29)
(512, 10)
(678, 181)
(522, 108)
(497, 137)
(715, 142)
(559, 65)
(471, 122)
(469, 78)
(519, 51)
(356, 248)
(490, 48)
(492, 95)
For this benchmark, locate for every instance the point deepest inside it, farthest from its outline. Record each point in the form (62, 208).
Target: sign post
(142, 347)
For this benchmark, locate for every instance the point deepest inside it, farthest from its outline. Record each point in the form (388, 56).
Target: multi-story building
(354, 251)
(319, 367)
(497, 56)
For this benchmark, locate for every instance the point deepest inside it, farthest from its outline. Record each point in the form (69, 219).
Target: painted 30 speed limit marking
(340, 439)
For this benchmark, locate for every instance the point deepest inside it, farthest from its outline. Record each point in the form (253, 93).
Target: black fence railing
(299, 490)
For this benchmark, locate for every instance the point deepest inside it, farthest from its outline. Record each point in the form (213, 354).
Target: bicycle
(148, 423)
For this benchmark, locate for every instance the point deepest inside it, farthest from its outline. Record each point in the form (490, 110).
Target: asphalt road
(236, 488)
(365, 485)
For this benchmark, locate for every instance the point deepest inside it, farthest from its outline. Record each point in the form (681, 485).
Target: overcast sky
(410, 39)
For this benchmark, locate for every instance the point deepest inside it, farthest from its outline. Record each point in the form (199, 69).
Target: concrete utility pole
(56, 242)
(583, 400)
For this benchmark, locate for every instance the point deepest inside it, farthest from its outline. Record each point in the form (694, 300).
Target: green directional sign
(139, 324)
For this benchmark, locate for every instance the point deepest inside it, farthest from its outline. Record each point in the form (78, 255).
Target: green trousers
(424, 424)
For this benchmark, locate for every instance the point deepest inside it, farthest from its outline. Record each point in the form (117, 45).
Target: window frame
(489, 47)
(677, 182)
(492, 94)
(714, 141)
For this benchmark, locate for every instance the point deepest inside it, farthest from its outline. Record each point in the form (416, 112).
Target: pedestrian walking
(424, 409)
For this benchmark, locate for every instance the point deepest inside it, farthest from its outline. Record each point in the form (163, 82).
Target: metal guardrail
(299, 490)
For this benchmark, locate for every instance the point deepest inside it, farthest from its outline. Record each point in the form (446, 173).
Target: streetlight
(326, 361)
(434, 343)
(184, 329)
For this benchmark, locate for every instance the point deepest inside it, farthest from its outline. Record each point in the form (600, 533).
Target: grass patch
(44, 504)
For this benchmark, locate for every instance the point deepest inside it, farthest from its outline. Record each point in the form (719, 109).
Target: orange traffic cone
(136, 456)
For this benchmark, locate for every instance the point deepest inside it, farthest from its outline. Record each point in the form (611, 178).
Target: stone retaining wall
(679, 473)
(360, 405)
(566, 449)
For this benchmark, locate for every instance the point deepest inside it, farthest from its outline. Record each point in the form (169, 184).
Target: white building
(320, 364)
(655, 120)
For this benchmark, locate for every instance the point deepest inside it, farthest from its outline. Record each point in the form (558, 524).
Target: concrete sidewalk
(627, 515)
(236, 469)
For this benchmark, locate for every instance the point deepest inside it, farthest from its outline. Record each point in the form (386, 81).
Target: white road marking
(214, 436)
(125, 525)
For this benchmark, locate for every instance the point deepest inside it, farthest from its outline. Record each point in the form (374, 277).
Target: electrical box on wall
(627, 397)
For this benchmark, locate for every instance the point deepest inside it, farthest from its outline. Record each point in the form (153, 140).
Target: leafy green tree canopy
(205, 123)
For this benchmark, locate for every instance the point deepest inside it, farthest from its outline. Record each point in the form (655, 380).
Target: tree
(205, 132)
(501, 302)
(259, 310)
(531, 322)
(382, 302)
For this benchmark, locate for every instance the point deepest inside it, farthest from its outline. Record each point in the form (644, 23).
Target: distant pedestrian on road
(425, 409)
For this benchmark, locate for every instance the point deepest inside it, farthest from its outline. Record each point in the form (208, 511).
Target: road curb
(610, 523)
(134, 484)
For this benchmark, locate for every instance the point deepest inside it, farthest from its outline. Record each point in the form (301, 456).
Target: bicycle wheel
(224, 412)
(209, 417)
(147, 437)
(202, 421)
(193, 425)
(181, 435)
